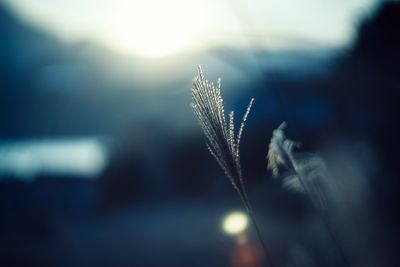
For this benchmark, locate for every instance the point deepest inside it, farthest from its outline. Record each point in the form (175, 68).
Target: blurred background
(102, 162)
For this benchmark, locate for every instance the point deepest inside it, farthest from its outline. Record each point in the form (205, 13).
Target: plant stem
(333, 238)
(321, 216)
(258, 232)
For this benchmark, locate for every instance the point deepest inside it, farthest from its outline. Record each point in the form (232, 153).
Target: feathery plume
(305, 173)
(223, 144)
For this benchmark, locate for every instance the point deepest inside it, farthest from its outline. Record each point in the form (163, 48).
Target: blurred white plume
(301, 172)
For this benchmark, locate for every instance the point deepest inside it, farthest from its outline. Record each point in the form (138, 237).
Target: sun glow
(155, 28)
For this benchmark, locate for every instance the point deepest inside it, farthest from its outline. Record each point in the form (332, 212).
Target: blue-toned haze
(156, 28)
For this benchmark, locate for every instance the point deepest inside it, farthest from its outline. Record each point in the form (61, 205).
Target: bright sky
(153, 28)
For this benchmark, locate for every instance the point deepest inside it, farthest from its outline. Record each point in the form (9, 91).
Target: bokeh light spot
(235, 222)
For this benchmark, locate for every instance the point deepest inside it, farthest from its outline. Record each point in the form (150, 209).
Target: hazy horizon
(153, 29)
